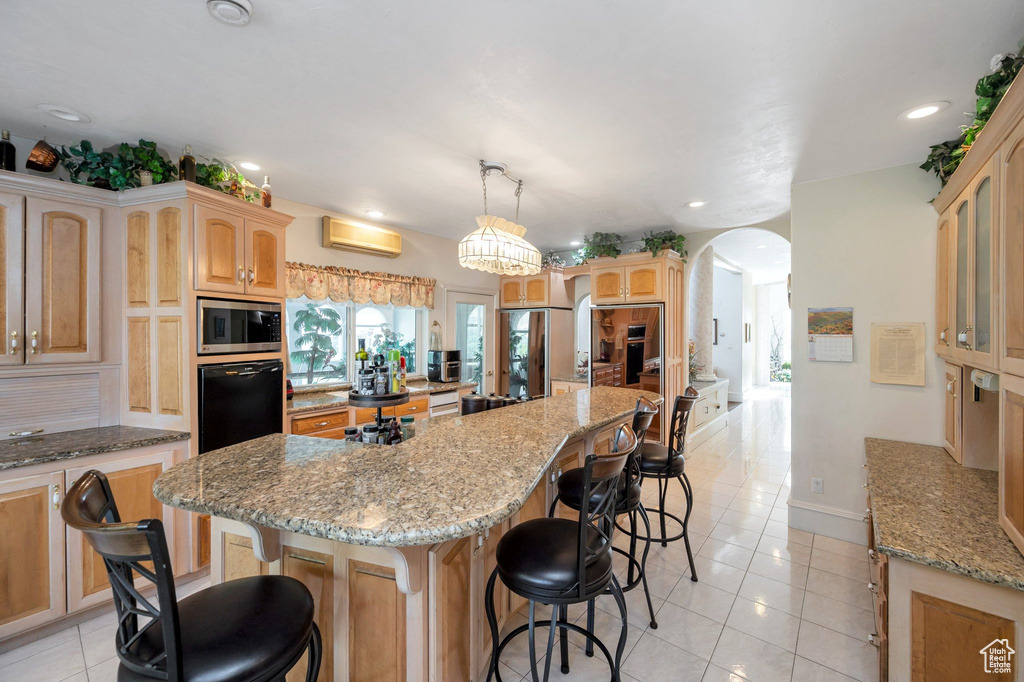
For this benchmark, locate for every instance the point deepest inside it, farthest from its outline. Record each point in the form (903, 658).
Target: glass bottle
(394, 433)
(362, 357)
(401, 372)
(7, 161)
(408, 427)
(265, 191)
(187, 165)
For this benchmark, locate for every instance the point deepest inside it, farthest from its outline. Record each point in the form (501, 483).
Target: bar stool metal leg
(315, 655)
(620, 599)
(492, 621)
(643, 563)
(688, 491)
(563, 615)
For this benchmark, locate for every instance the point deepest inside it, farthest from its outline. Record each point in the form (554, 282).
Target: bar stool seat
(570, 488)
(250, 629)
(657, 459)
(539, 557)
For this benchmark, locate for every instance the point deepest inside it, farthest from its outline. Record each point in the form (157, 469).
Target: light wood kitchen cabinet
(264, 258)
(219, 251)
(1011, 458)
(974, 271)
(1012, 353)
(938, 630)
(640, 283)
(560, 387)
(943, 334)
(376, 624)
(451, 612)
(131, 482)
(954, 411)
(548, 289)
(239, 561)
(606, 374)
(12, 273)
(315, 570)
(488, 562)
(32, 547)
(62, 282)
(317, 423)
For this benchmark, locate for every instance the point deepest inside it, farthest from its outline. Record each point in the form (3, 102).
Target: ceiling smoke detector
(230, 12)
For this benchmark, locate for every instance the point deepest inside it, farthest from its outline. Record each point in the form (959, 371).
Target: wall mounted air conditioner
(351, 235)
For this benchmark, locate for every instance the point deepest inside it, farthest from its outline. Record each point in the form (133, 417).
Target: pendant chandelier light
(497, 245)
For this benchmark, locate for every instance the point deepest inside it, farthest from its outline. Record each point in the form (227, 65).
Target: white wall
(728, 309)
(867, 241)
(749, 317)
(423, 255)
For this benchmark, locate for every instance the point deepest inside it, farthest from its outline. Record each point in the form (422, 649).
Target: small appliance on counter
(444, 366)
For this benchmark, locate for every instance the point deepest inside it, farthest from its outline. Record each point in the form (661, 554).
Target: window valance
(342, 284)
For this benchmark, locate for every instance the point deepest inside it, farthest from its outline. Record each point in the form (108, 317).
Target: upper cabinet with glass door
(943, 301)
(1012, 345)
(974, 271)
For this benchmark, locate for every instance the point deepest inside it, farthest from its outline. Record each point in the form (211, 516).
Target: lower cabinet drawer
(365, 415)
(319, 422)
(703, 411)
(413, 407)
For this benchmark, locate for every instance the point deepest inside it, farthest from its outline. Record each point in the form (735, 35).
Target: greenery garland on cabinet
(123, 168)
(946, 156)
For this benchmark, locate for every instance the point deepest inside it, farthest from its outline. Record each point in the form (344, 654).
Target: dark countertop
(930, 510)
(19, 452)
(459, 475)
(335, 398)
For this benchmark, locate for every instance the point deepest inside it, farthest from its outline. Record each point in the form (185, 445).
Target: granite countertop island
(50, 447)
(459, 476)
(572, 378)
(337, 397)
(928, 509)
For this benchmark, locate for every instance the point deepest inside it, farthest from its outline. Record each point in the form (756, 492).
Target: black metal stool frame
(636, 575)
(601, 474)
(676, 447)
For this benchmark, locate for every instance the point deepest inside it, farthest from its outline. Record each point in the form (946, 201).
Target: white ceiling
(764, 254)
(616, 114)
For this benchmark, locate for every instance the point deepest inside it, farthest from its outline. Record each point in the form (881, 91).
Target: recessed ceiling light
(924, 110)
(249, 165)
(574, 243)
(230, 12)
(762, 246)
(373, 213)
(64, 113)
(696, 204)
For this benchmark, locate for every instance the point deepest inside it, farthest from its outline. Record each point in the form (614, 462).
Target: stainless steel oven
(237, 327)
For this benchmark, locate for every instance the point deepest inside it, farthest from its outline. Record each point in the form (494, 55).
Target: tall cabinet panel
(960, 274)
(943, 323)
(12, 251)
(1012, 355)
(984, 283)
(62, 295)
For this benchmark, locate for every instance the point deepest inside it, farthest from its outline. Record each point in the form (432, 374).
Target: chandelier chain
(483, 180)
(519, 193)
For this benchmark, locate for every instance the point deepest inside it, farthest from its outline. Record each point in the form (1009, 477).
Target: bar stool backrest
(680, 418)
(597, 511)
(643, 416)
(130, 548)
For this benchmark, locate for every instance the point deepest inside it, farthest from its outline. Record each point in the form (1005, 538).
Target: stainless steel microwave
(237, 327)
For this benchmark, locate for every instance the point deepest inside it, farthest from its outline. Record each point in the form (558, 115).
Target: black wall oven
(237, 327)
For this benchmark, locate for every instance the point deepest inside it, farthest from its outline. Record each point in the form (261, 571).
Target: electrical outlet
(817, 486)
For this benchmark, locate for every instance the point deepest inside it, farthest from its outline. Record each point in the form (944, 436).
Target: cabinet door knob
(942, 336)
(241, 274)
(873, 587)
(35, 343)
(56, 496)
(14, 342)
(873, 639)
(252, 276)
(950, 388)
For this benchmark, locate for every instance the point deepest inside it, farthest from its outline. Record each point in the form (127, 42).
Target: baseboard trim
(829, 521)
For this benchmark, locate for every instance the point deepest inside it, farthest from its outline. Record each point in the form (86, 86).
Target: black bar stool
(248, 630)
(627, 501)
(665, 463)
(562, 562)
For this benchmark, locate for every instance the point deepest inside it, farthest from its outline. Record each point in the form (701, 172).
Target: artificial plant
(945, 157)
(552, 260)
(224, 177)
(603, 244)
(115, 170)
(316, 326)
(666, 239)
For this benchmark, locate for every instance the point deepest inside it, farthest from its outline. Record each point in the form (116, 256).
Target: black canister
(473, 402)
(365, 386)
(494, 401)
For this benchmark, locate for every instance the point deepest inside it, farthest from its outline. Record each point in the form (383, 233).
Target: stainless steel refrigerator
(528, 356)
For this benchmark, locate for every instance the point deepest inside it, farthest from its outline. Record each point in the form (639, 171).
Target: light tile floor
(772, 603)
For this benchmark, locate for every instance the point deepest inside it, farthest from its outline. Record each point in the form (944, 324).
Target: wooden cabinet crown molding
(1005, 118)
(56, 189)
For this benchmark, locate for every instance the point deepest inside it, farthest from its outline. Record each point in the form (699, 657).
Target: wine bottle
(265, 191)
(7, 161)
(362, 357)
(187, 165)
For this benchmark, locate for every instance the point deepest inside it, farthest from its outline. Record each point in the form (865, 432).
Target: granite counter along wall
(421, 516)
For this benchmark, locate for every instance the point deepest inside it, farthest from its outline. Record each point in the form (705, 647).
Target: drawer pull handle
(25, 433)
(942, 336)
(14, 343)
(873, 639)
(873, 588)
(871, 554)
(321, 423)
(241, 274)
(412, 408)
(252, 276)
(309, 559)
(56, 496)
(35, 343)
